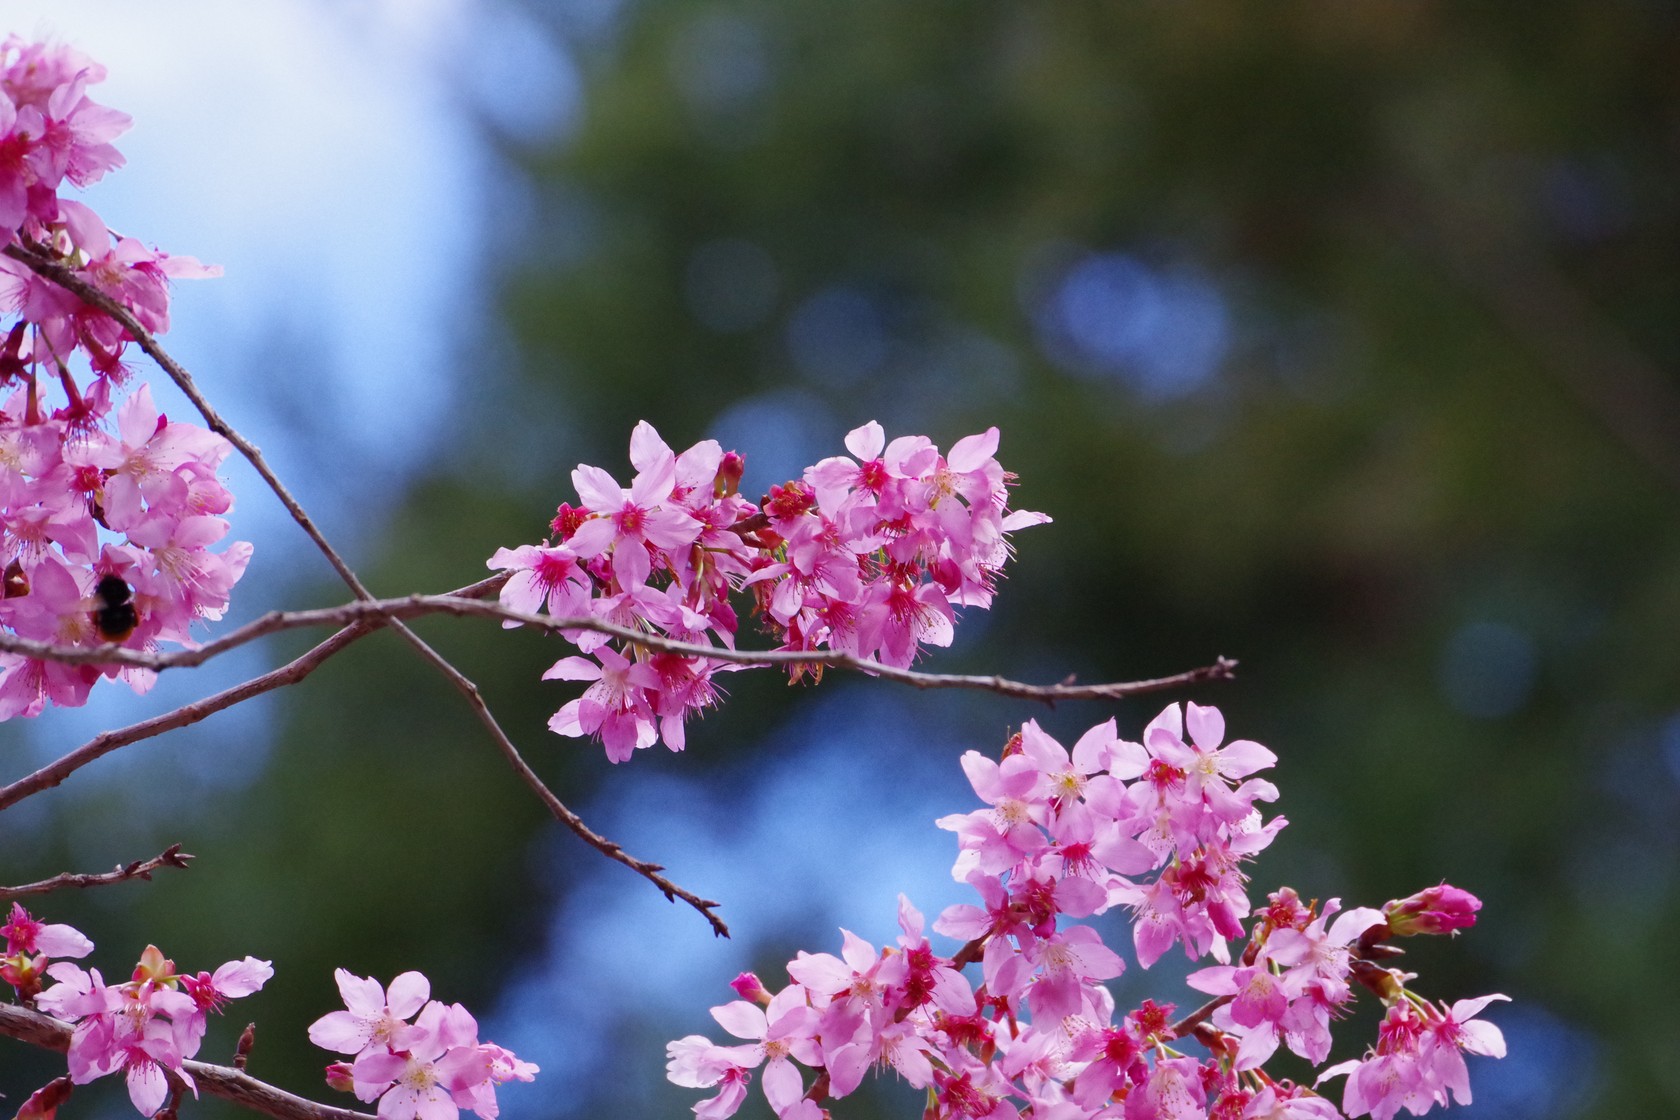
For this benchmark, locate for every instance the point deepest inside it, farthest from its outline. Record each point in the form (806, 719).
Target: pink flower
(413, 1083)
(1115, 1057)
(1451, 1033)
(1067, 962)
(1207, 796)
(209, 991)
(1417, 1062)
(372, 1020)
(629, 522)
(1173, 1092)
(1284, 1101)
(696, 1062)
(124, 1028)
(929, 978)
(543, 579)
(993, 840)
(785, 1031)
(615, 707)
(24, 934)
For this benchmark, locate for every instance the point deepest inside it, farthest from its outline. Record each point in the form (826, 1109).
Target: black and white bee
(114, 617)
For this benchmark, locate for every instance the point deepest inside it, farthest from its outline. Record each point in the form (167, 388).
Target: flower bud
(730, 469)
(155, 967)
(1440, 909)
(1387, 984)
(749, 987)
(339, 1077)
(23, 973)
(43, 1103)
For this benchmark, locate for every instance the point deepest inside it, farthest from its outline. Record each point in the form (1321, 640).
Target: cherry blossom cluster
(427, 1069)
(1019, 1022)
(869, 556)
(145, 1028)
(105, 535)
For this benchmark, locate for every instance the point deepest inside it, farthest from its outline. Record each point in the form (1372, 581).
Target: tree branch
(45, 265)
(1196, 1018)
(219, 1081)
(171, 856)
(377, 612)
(381, 611)
(293, 671)
(556, 807)
(104, 743)
(362, 618)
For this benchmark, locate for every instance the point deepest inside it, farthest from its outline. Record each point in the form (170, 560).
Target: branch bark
(219, 1081)
(171, 856)
(463, 603)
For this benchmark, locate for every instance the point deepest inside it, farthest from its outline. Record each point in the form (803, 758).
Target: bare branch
(104, 743)
(363, 619)
(375, 612)
(1196, 1018)
(556, 807)
(171, 856)
(290, 673)
(220, 1081)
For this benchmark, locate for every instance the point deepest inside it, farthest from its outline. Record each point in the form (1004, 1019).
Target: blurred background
(1339, 339)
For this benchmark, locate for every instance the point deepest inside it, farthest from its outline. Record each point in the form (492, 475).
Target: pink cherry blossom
(869, 559)
(25, 934)
(371, 1019)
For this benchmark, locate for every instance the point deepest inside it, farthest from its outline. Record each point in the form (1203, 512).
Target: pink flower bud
(749, 987)
(730, 469)
(1440, 909)
(339, 1077)
(43, 1103)
(23, 973)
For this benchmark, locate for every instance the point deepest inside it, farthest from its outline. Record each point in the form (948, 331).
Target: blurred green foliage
(1423, 481)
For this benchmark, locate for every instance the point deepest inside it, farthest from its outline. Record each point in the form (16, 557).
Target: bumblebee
(115, 618)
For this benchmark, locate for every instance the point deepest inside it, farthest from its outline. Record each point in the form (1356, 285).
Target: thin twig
(455, 603)
(171, 856)
(219, 1081)
(363, 619)
(608, 848)
(362, 610)
(104, 743)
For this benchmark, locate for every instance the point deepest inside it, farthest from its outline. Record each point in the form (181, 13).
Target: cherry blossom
(147, 1027)
(73, 494)
(871, 559)
(1060, 837)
